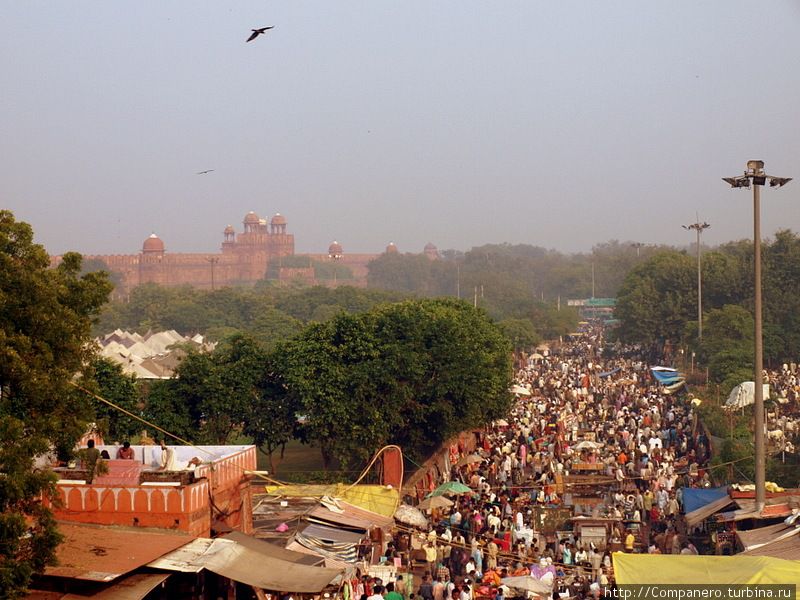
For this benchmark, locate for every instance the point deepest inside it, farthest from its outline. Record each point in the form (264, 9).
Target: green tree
(164, 406)
(272, 416)
(658, 298)
(412, 373)
(520, 332)
(782, 297)
(119, 388)
(45, 320)
(272, 326)
(212, 395)
(727, 328)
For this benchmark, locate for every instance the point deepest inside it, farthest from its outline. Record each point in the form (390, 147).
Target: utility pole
(699, 228)
(213, 260)
(638, 246)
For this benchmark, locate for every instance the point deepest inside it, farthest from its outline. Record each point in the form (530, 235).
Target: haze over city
(555, 124)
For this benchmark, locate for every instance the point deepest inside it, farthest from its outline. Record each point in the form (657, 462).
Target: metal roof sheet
(101, 553)
(702, 513)
(133, 587)
(274, 550)
(785, 547)
(332, 534)
(762, 535)
(246, 565)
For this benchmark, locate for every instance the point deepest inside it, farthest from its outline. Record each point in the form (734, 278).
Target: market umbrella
(501, 423)
(410, 516)
(521, 390)
(435, 502)
(451, 488)
(536, 356)
(468, 460)
(588, 445)
(528, 583)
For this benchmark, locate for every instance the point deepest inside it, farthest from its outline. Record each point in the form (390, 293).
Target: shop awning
(702, 513)
(273, 550)
(252, 562)
(243, 564)
(647, 569)
(699, 497)
(332, 534)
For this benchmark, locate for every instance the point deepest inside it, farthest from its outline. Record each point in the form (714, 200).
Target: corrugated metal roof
(702, 513)
(748, 510)
(101, 553)
(785, 547)
(346, 519)
(185, 559)
(332, 534)
(762, 535)
(133, 587)
(274, 550)
(245, 563)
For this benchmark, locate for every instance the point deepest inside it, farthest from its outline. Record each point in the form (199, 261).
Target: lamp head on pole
(699, 227)
(755, 175)
(737, 182)
(779, 181)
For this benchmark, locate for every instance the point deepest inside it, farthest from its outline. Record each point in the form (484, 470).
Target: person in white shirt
(168, 461)
(377, 593)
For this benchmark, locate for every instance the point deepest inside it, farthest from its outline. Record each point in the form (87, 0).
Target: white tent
(744, 395)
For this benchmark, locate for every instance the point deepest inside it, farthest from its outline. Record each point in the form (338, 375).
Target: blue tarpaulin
(665, 375)
(610, 373)
(697, 498)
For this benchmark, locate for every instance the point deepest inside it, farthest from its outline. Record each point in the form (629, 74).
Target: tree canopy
(658, 300)
(411, 373)
(658, 303)
(45, 322)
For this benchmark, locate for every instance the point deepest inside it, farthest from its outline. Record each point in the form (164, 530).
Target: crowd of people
(582, 408)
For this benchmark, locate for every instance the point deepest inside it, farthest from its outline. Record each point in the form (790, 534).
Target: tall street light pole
(757, 177)
(638, 246)
(699, 227)
(213, 260)
(335, 254)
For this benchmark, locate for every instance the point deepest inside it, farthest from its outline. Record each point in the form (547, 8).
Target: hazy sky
(560, 124)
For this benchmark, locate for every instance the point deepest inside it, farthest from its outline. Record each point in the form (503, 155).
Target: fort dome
(153, 244)
(278, 219)
(391, 248)
(335, 249)
(251, 218)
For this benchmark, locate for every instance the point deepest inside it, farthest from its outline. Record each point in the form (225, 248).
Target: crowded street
(593, 459)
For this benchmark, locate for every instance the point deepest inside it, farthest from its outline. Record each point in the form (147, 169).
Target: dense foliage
(512, 282)
(268, 314)
(411, 373)
(45, 318)
(657, 303)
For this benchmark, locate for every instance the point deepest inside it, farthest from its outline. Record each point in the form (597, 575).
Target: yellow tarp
(683, 569)
(374, 498)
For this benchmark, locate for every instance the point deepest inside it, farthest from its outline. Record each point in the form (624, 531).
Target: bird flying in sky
(204, 172)
(258, 32)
